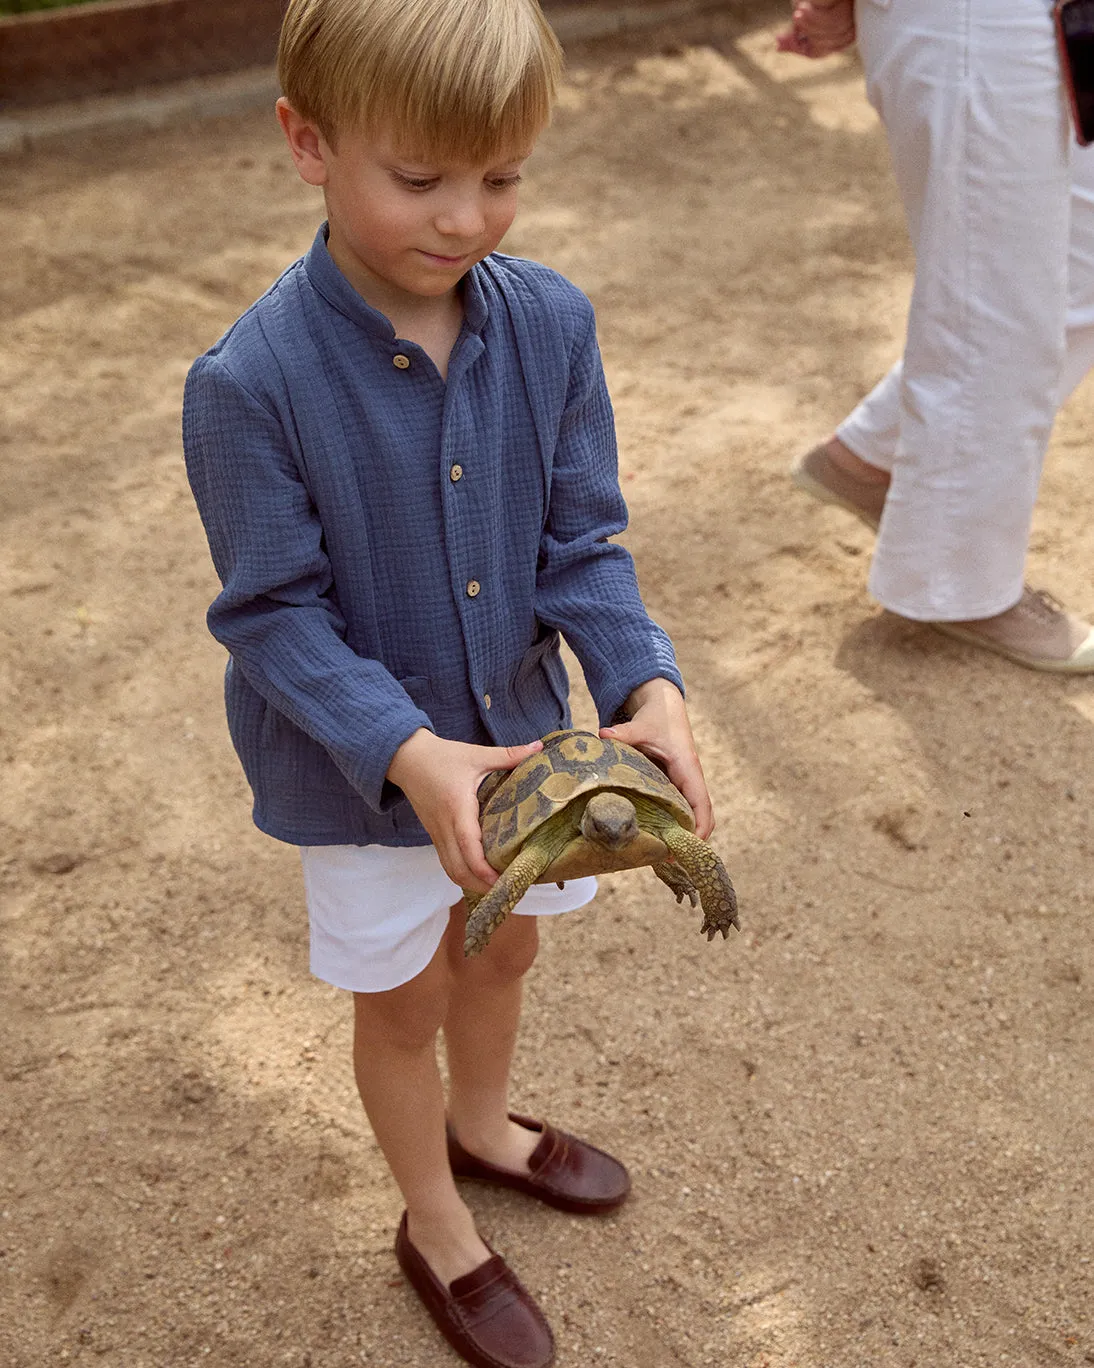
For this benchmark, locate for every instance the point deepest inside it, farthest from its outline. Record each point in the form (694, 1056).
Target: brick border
(234, 85)
(109, 47)
(114, 45)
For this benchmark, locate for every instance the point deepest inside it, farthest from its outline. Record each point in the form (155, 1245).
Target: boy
(403, 455)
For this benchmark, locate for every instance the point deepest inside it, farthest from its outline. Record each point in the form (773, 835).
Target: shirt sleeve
(277, 613)
(586, 586)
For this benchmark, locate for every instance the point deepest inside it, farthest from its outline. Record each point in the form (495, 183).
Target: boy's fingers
(458, 867)
(509, 757)
(686, 774)
(688, 778)
(473, 861)
(506, 757)
(632, 734)
(459, 844)
(789, 41)
(701, 806)
(629, 733)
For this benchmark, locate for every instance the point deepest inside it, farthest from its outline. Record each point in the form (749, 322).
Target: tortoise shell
(513, 803)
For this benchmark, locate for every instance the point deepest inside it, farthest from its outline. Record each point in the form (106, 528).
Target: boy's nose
(461, 218)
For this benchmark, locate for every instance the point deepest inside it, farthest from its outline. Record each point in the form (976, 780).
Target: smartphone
(1075, 35)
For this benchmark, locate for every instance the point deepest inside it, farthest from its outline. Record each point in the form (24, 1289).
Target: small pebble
(60, 862)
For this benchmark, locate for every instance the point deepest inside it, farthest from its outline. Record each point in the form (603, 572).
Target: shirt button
(456, 473)
(486, 699)
(400, 362)
(473, 587)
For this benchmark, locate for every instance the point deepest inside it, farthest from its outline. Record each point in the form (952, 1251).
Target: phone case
(1083, 137)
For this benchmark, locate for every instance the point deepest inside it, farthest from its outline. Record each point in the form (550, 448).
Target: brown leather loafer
(487, 1316)
(564, 1172)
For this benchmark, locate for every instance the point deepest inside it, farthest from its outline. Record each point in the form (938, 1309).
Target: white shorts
(377, 913)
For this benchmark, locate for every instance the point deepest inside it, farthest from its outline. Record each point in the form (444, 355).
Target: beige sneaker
(1037, 632)
(818, 474)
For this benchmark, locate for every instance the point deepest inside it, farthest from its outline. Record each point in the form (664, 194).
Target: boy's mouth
(440, 260)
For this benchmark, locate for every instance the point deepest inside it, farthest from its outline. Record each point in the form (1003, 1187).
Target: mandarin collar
(329, 281)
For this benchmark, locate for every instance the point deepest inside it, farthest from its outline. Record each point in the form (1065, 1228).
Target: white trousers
(999, 202)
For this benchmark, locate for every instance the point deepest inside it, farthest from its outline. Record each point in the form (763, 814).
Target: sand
(860, 1131)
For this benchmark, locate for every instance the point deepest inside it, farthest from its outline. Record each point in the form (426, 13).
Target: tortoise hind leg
(470, 902)
(487, 911)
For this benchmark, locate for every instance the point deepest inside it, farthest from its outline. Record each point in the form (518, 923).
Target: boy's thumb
(501, 760)
(515, 754)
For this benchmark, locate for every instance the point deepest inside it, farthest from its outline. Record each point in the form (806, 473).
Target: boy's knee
(407, 1017)
(512, 948)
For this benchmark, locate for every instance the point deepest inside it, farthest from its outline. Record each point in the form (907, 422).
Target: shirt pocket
(419, 690)
(540, 686)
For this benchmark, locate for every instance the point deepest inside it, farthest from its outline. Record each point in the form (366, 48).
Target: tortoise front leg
(706, 871)
(669, 872)
(487, 911)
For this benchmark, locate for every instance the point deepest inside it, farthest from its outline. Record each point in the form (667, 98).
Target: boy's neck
(435, 330)
(432, 321)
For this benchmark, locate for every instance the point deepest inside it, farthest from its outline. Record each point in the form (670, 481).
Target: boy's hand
(819, 27)
(659, 727)
(441, 781)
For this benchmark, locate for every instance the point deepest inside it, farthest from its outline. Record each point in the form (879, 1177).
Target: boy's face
(404, 228)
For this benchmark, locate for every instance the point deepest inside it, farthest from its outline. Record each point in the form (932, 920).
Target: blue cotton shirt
(399, 551)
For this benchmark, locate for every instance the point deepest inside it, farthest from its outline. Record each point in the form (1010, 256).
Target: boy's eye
(415, 182)
(503, 182)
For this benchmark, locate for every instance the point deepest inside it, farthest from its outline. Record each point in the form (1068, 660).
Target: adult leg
(969, 93)
(480, 1031)
(871, 432)
(395, 1062)
(921, 60)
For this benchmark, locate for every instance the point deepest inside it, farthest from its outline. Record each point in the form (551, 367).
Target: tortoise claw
(711, 929)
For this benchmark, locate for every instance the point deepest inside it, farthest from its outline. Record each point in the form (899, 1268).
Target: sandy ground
(860, 1131)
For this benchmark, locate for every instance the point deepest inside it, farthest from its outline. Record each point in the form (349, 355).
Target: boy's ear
(306, 144)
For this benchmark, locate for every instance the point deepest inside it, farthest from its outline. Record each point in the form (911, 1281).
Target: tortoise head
(610, 821)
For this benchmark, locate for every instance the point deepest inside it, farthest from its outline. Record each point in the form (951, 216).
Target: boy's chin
(432, 282)
(434, 289)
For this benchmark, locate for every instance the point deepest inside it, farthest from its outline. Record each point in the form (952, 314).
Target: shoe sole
(1039, 663)
(559, 1201)
(808, 484)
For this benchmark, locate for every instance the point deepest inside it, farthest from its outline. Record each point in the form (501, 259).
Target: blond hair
(460, 79)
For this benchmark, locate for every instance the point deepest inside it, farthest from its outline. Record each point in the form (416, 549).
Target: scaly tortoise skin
(587, 805)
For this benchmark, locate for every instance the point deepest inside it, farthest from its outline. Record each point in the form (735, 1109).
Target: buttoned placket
(465, 542)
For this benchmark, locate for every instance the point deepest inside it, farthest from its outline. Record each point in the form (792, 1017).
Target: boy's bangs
(466, 81)
(463, 129)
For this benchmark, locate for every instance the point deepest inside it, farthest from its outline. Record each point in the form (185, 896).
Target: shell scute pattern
(571, 763)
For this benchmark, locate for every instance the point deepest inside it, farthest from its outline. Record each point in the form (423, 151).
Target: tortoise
(588, 805)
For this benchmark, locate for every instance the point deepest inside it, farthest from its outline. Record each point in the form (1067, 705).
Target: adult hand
(819, 28)
(441, 781)
(659, 727)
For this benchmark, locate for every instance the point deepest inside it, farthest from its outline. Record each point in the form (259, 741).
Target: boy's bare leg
(480, 1032)
(395, 1061)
